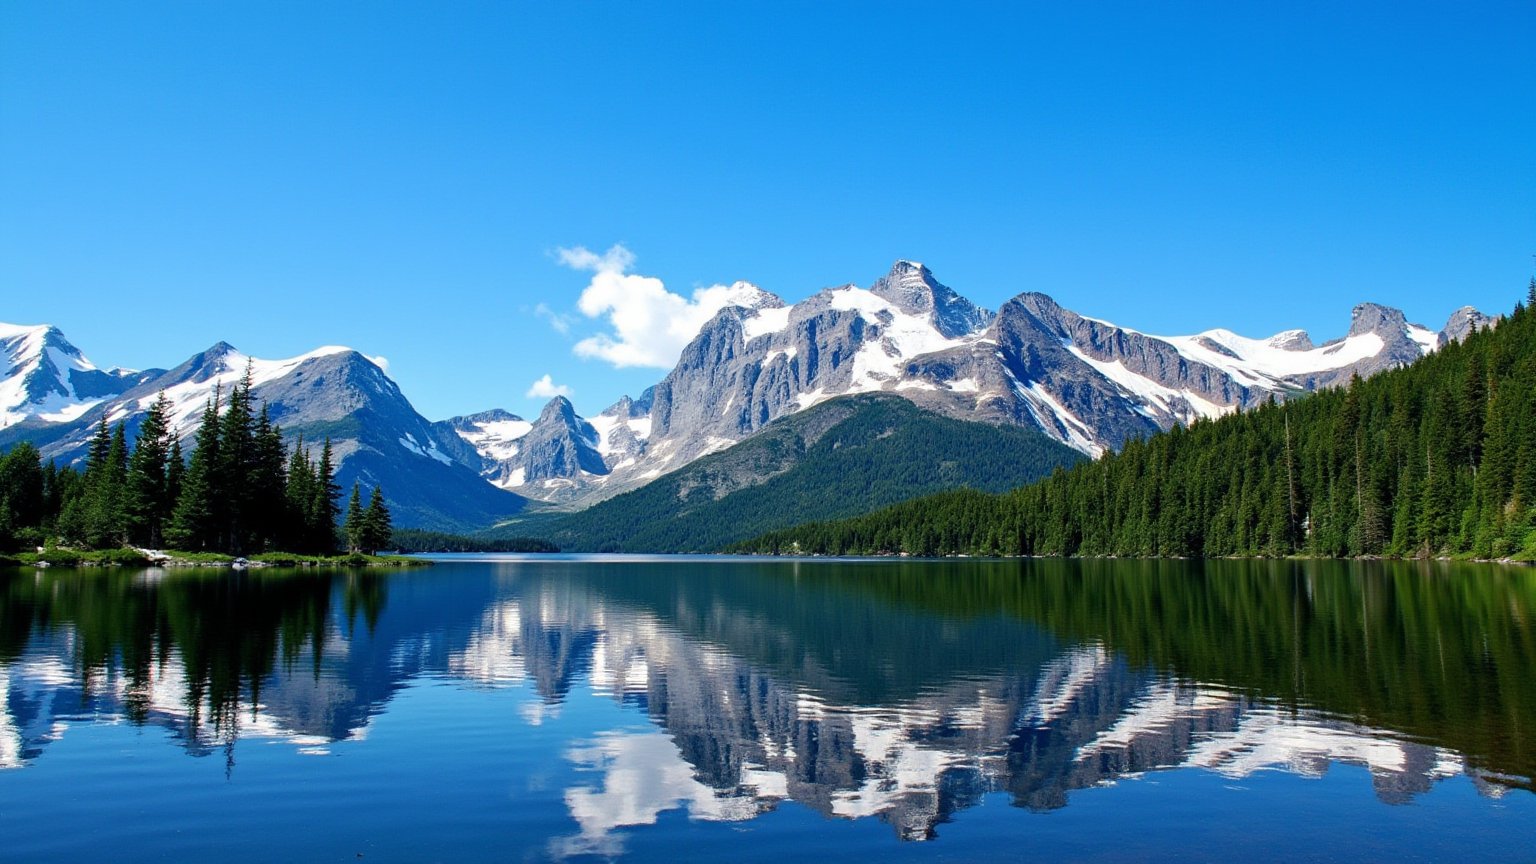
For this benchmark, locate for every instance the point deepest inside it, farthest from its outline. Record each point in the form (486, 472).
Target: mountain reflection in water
(905, 691)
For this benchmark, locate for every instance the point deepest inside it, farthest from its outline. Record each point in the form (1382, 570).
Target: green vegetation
(1437, 458)
(235, 497)
(838, 459)
(418, 540)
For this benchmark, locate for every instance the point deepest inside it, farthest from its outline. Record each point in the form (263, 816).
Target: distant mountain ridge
(1086, 383)
(377, 437)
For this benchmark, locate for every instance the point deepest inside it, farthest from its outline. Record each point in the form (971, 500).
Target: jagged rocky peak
(559, 409)
(560, 445)
(1378, 319)
(1462, 322)
(911, 287)
(1042, 306)
(1291, 340)
(627, 408)
(749, 296)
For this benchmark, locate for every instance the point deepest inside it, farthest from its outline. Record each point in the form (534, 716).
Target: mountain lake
(517, 708)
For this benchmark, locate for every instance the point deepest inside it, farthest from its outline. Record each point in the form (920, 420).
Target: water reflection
(904, 692)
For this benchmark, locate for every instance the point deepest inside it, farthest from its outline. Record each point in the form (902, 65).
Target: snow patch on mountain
(408, 441)
(495, 439)
(1147, 394)
(766, 321)
(1264, 363)
(902, 336)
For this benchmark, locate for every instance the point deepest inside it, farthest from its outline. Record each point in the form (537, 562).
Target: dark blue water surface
(512, 709)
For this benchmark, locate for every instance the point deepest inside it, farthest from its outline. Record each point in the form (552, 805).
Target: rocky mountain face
(1086, 383)
(843, 457)
(376, 436)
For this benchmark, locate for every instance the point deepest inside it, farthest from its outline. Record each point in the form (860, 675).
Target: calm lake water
(507, 709)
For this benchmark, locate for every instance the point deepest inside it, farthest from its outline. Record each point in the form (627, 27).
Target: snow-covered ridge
(227, 368)
(38, 376)
(1268, 362)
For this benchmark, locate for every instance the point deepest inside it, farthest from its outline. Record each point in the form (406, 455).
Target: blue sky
(400, 177)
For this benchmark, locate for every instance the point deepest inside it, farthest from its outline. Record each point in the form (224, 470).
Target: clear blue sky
(397, 176)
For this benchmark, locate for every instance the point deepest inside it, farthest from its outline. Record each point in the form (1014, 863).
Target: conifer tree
(194, 522)
(105, 524)
(300, 493)
(377, 524)
(149, 503)
(324, 508)
(268, 493)
(237, 445)
(175, 472)
(23, 485)
(354, 523)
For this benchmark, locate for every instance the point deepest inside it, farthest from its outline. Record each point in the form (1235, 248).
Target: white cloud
(559, 321)
(650, 325)
(545, 388)
(617, 259)
(380, 361)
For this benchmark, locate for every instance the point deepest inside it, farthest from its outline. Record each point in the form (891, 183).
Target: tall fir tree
(149, 501)
(377, 527)
(324, 508)
(195, 520)
(354, 522)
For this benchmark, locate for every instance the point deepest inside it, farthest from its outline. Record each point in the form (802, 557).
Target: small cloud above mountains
(649, 325)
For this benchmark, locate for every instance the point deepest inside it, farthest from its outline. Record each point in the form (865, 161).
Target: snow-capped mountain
(43, 376)
(376, 435)
(1086, 382)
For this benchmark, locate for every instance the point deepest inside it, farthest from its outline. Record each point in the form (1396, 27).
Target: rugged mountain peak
(559, 410)
(627, 408)
(1377, 319)
(911, 287)
(559, 446)
(1042, 306)
(1291, 340)
(750, 297)
(1462, 322)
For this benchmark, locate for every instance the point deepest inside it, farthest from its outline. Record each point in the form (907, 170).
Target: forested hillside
(1438, 457)
(843, 457)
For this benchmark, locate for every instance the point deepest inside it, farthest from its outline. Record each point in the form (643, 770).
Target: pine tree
(175, 473)
(268, 485)
(324, 508)
(23, 485)
(195, 521)
(354, 523)
(377, 527)
(105, 519)
(300, 494)
(149, 503)
(237, 456)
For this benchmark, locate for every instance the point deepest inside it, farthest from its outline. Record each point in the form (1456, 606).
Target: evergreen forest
(1437, 458)
(241, 492)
